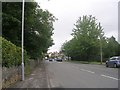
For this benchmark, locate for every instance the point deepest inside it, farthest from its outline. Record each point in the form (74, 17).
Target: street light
(23, 40)
(101, 54)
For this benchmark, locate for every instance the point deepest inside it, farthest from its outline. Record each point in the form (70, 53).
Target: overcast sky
(68, 12)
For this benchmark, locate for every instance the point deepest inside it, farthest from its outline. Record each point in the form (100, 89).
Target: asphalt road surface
(71, 75)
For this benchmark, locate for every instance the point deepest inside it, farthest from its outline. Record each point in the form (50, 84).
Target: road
(72, 75)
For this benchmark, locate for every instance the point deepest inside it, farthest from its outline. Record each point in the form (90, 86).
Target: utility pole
(23, 3)
(101, 54)
(101, 51)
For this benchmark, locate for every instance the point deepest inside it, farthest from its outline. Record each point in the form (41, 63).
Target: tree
(38, 27)
(11, 22)
(88, 40)
(86, 37)
(112, 47)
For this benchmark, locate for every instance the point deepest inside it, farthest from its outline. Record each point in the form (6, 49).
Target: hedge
(11, 54)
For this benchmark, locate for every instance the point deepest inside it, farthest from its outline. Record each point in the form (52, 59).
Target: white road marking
(101, 74)
(59, 62)
(32, 74)
(87, 71)
(109, 77)
(30, 78)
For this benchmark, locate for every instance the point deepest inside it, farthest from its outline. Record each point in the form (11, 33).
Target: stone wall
(13, 74)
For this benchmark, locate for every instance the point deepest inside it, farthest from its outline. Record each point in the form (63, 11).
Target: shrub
(11, 54)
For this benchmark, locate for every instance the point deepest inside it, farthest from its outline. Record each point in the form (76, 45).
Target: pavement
(37, 79)
(71, 75)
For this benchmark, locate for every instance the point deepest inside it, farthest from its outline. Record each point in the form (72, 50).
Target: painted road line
(32, 74)
(30, 78)
(109, 77)
(87, 71)
(48, 82)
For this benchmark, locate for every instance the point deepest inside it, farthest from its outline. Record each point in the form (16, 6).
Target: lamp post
(101, 54)
(23, 3)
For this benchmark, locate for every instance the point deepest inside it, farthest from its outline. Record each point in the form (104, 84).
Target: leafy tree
(11, 22)
(38, 27)
(112, 47)
(86, 37)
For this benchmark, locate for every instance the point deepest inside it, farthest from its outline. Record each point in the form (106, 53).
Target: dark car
(113, 62)
(50, 59)
(59, 60)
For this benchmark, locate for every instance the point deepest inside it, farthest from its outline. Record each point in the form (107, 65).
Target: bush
(11, 54)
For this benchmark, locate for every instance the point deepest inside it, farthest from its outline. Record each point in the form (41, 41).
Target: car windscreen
(118, 58)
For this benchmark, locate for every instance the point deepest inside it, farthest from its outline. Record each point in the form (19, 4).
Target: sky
(68, 12)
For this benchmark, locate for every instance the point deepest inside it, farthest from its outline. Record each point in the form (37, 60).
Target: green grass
(86, 62)
(27, 70)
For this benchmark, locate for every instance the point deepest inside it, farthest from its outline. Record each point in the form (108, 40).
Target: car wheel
(115, 65)
(106, 65)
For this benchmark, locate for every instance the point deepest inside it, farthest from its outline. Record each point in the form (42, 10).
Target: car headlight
(106, 61)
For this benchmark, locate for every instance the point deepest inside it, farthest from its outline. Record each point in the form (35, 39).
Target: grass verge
(27, 70)
(86, 62)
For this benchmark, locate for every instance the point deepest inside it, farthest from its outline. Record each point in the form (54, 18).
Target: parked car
(50, 59)
(59, 59)
(113, 62)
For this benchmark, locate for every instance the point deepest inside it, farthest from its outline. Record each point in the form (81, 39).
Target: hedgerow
(12, 54)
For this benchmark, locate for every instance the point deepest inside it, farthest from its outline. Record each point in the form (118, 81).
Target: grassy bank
(86, 62)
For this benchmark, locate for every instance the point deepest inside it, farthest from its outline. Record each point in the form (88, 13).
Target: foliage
(38, 27)
(111, 47)
(11, 54)
(88, 38)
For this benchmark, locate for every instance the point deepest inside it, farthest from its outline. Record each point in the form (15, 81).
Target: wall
(13, 74)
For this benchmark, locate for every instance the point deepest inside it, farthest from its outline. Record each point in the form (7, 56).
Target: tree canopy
(88, 38)
(38, 27)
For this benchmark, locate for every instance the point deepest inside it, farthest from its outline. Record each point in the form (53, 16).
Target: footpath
(37, 79)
